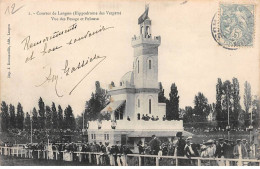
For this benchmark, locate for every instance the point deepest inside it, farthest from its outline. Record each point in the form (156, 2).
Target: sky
(188, 55)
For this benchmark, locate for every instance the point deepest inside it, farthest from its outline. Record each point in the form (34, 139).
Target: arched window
(150, 106)
(138, 102)
(150, 64)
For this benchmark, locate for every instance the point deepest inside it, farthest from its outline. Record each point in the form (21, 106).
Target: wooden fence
(93, 158)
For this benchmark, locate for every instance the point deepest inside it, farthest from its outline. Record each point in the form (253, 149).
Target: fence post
(17, 153)
(227, 163)
(126, 164)
(157, 161)
(140, 160)
(56, 155)
(199, 162)
(176, 161)
(89, 157)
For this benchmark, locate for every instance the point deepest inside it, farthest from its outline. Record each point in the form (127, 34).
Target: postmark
(233, 27)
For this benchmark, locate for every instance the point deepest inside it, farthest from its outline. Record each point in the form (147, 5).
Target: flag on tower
(144, 16)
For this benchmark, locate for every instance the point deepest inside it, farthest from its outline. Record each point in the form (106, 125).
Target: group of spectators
(103, 154)
(106, 154)
(213, 129)
(147, 118)
(220, 149)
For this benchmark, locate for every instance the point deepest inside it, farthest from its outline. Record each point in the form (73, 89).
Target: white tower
(146, 68)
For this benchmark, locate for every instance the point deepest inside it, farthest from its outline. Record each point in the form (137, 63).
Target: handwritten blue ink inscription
(237, 24)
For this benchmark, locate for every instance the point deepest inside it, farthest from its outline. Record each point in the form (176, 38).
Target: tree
(172, 105)
(48, 121)
(247, 102)
(54, 116)
(161, 97)
(12, 116)
(96, 103)
(219, 111)
(60, 118)
(79, 122)
(41, 113)
(27, 122)
(256, 112)
(19, 117)
(69, 119)
(236, 102)
(35, 124)
(188, 116)
(4, 117)
(201, 109)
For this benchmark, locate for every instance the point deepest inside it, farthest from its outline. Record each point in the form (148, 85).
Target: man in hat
(239, 152)
(229, 152)
(221, 148)
(119, 152)
(246, 145)
(190, 150)
(155, 145)
(221, 151)
(180, 147)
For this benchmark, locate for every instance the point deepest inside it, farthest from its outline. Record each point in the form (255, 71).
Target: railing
(124, 160)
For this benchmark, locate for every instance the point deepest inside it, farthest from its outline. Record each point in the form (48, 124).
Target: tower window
(138, 67)
(150, 64)
(150, 106)
(138, 102)
(138, 116)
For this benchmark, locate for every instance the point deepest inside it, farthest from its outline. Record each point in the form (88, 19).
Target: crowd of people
(106, 154)
(102, 154)
(220, 149)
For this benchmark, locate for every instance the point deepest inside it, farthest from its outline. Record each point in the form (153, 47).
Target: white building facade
(135, 97)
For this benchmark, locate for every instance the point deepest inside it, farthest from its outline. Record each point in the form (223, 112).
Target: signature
(52, 78)
(103, 58)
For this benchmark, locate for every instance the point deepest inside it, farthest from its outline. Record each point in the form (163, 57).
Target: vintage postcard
(130, 83)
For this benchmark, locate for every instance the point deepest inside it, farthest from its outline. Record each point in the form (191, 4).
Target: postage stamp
(236, 25)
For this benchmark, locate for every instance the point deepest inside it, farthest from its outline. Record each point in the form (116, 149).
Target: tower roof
(128, 78)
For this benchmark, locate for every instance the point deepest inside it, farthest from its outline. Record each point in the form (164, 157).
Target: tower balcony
(136, 41)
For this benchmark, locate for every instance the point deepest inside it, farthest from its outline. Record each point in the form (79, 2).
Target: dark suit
(188, 152)
(155, 146)
(180, 147)
(221, 150)
(180, 151)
